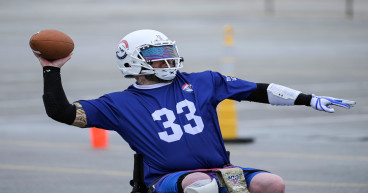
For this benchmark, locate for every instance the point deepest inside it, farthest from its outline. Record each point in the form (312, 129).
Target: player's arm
(56, 103)
(275, 94)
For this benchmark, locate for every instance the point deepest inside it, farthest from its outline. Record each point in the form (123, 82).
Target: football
(51, 44)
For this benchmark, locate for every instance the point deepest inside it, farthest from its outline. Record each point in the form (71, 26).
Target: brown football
(51, 44)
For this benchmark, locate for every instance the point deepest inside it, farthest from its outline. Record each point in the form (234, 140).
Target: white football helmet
(138, 49)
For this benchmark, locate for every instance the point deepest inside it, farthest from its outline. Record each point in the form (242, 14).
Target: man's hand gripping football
(55, 63)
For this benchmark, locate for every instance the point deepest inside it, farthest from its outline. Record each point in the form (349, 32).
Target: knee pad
(196, 177)
(211, 187)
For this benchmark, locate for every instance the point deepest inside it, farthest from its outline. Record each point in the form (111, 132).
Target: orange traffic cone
(99, 137)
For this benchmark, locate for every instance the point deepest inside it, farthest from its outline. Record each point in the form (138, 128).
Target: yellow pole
(226, 109)
(229, 35)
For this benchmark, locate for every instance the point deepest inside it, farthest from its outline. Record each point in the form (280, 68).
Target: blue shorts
(169, 182)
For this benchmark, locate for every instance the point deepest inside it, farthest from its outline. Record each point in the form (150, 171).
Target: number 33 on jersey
(176, 130)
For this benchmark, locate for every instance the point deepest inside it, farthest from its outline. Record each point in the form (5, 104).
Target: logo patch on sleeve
(230, 78)
(187, 88)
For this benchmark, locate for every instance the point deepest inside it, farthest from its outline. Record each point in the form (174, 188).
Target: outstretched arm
(56, 103)
(275, 94)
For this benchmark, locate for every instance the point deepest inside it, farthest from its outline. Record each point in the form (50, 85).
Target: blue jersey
(175, 126)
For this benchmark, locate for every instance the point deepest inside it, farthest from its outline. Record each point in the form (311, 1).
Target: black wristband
(50, 69)
(260, 94)
(303, 99)
(56, 104)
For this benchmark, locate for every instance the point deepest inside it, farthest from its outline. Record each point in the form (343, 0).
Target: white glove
(322, 103)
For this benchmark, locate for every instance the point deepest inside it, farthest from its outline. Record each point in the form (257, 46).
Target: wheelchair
(138, 175)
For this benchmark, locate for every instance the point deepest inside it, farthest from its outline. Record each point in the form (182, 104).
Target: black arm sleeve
(56, 104)
(260, 95)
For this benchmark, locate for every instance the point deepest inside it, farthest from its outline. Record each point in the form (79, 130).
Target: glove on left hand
(322, 103)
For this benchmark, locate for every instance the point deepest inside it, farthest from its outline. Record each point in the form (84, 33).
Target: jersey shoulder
(199, 76)
(195, 74)
(115, 97)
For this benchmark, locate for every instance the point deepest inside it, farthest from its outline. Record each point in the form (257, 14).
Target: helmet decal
(121, 53)
(125, 43)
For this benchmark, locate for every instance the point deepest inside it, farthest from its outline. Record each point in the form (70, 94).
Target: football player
(170, 117)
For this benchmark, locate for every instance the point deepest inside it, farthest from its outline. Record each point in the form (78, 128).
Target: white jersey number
(177, 131)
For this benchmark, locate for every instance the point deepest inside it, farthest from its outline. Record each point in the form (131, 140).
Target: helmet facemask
(166, 53)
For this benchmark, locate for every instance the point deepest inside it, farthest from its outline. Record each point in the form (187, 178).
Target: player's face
(162, 64)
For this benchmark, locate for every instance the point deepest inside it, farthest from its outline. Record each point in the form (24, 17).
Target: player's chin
(154, 78)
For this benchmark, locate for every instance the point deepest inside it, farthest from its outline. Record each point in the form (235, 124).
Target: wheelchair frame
(138, 176)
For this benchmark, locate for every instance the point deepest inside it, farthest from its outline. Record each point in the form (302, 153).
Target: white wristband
(281, 95)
